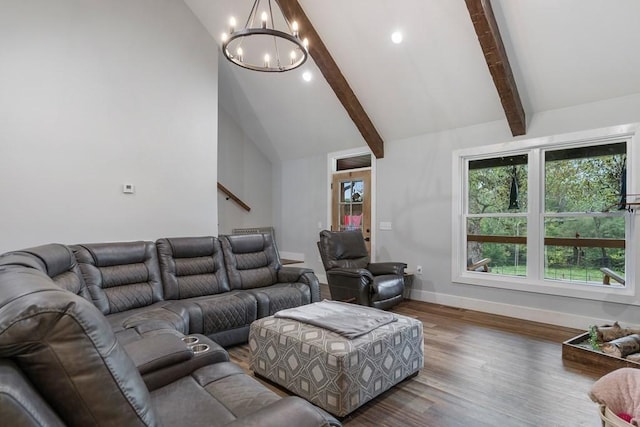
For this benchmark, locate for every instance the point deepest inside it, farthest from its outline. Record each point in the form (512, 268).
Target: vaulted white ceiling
(562, 52)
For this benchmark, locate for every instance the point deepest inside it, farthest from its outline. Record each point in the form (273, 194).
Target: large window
(550, 215)
(584, 206)
(496, 217)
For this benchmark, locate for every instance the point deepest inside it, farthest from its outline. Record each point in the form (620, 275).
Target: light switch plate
(384, 225)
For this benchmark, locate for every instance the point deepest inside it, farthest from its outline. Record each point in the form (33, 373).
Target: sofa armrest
(378, 268)
(170, 364)
(301, 275)
(288, 411)
(355, 273)
(350, 284)
(157, 352)
(292, 274)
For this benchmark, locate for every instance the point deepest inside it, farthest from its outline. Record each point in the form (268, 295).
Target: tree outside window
(497, 206)
(582, 229)
(582, 191)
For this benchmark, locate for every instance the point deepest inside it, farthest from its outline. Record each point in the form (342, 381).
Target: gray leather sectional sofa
(132, 333)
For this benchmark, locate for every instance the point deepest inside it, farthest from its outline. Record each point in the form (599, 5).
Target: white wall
(95, 94)
(247, 173)
(414, 194)
(304, 187)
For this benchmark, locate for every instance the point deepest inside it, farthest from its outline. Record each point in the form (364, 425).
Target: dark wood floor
(481, 370)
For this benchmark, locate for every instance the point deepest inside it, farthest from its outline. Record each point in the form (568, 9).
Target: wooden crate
(575, 350)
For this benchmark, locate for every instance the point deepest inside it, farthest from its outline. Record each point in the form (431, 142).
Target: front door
(351, 203)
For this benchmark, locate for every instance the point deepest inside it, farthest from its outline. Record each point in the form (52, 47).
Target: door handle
(366, 239)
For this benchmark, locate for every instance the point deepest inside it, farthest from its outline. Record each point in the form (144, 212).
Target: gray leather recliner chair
(353, 278)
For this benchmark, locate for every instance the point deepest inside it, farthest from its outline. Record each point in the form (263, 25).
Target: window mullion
(535, 221)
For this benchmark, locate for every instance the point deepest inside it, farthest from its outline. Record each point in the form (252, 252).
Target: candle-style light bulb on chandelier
(260, 46)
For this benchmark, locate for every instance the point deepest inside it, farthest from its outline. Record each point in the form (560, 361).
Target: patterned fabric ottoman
(333, 372)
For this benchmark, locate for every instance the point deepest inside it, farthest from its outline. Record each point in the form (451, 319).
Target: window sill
(611, 293)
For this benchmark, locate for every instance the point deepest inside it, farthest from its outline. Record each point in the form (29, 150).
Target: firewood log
(635, 357)
(609, 333)
(622, 347)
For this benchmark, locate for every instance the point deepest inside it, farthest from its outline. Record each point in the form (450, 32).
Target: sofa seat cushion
(214, 395)
(215, 313)
(280, 296)
(223, 395)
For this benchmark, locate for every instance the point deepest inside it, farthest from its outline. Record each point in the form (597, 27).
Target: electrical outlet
(418, 269)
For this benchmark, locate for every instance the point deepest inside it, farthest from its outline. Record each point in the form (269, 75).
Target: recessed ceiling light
(306, 76)
(396, 37)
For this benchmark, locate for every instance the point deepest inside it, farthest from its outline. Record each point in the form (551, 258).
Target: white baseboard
(516, 311)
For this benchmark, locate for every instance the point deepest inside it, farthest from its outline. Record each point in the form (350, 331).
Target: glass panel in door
(351, 204)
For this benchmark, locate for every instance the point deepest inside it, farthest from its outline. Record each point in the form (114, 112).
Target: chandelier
(260, 46)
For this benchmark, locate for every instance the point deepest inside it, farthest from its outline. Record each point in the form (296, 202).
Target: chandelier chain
(275, 44)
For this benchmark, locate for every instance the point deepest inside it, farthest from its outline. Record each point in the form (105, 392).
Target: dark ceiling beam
(329, 69)
(484, 21)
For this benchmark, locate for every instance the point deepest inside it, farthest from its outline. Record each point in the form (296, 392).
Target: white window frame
(535, 148)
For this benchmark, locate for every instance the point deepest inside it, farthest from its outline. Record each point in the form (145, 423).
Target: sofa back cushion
(252, 260)
(68, 352)
(343, 249)
(59, 263)
(191, 267)
(120, 276)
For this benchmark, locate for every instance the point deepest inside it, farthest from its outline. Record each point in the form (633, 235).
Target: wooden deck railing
(551, 241)
(608, 274)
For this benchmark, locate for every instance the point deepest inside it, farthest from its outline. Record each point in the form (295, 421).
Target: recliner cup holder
(199, 348)
(190, 340)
